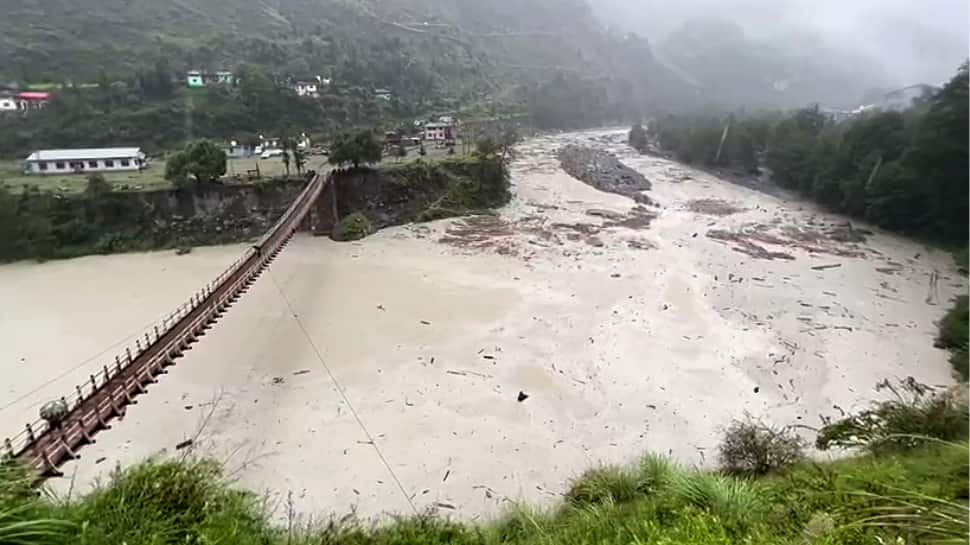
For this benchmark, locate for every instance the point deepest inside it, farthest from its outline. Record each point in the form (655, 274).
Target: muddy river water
(625, 336)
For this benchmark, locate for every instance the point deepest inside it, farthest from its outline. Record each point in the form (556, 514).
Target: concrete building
(32, 100)
(199, 78)
(306, 88)
(440, 131)
(236, 149)
(66, 161)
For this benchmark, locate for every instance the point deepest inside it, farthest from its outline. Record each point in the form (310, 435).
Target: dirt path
(629, 329)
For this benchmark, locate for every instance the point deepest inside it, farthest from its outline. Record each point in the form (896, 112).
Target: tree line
(903, 171)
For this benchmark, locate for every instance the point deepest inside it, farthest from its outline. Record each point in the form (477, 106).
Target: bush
(354, 227)
(614, 484)
(607, 484)
(97, 185)
(916, 415)
(953, 335)
(638, 138)
(730, 498)
(751, 447)
(171, 501)
(656, 472)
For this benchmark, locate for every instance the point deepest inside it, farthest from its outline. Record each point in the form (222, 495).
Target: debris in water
(713, 207)
(522, 396)
(184, 444)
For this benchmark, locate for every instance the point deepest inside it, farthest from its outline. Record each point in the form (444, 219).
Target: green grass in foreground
(900, 498)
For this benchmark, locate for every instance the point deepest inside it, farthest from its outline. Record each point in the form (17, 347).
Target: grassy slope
(655, 502)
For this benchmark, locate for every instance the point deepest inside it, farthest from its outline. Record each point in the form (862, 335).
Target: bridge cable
(343, 394)
(84, 362)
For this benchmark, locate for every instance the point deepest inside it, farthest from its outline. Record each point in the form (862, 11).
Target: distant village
(441, 130)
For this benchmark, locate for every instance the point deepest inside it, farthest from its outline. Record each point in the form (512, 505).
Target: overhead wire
(84, 362)
(343, 393)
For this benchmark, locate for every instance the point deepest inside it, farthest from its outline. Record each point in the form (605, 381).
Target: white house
(306, 89)
(63, 161)
(440, 131)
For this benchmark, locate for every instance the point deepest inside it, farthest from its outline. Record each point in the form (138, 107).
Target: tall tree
(357, 149)
(202, 159)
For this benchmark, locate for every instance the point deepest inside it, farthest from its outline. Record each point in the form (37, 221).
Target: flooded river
(623, 332)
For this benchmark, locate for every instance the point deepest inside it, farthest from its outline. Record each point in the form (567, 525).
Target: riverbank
(915, 494)
(99, 220)
(624, 331)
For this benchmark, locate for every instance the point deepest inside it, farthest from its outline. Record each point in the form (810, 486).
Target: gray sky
(913, 40)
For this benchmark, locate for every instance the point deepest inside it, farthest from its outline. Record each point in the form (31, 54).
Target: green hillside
(125, 60)
(455, 43)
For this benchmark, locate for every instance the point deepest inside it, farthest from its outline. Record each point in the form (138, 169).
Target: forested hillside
(413, 46)
(120, 67)
(905, 171)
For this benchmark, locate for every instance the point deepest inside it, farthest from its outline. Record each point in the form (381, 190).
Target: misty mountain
(738, 70)
(901, 41)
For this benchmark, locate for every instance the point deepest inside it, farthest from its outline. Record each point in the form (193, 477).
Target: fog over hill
(908, 41)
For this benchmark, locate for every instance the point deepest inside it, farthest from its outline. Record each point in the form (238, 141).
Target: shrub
(171, 501)
(751, 447)
(354, 227)
(638, 138)
(915, 415)
(97, 185)
(954, 334)
(604, 484)
(731, 498)
(614, 484)
(656, 472)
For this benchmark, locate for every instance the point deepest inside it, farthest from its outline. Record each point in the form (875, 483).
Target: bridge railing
(112, 387)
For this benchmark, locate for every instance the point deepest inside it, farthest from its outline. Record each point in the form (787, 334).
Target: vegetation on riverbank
(43, 225)
(422, 190)
(903, 171)
(954, 336)
(910, 492)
